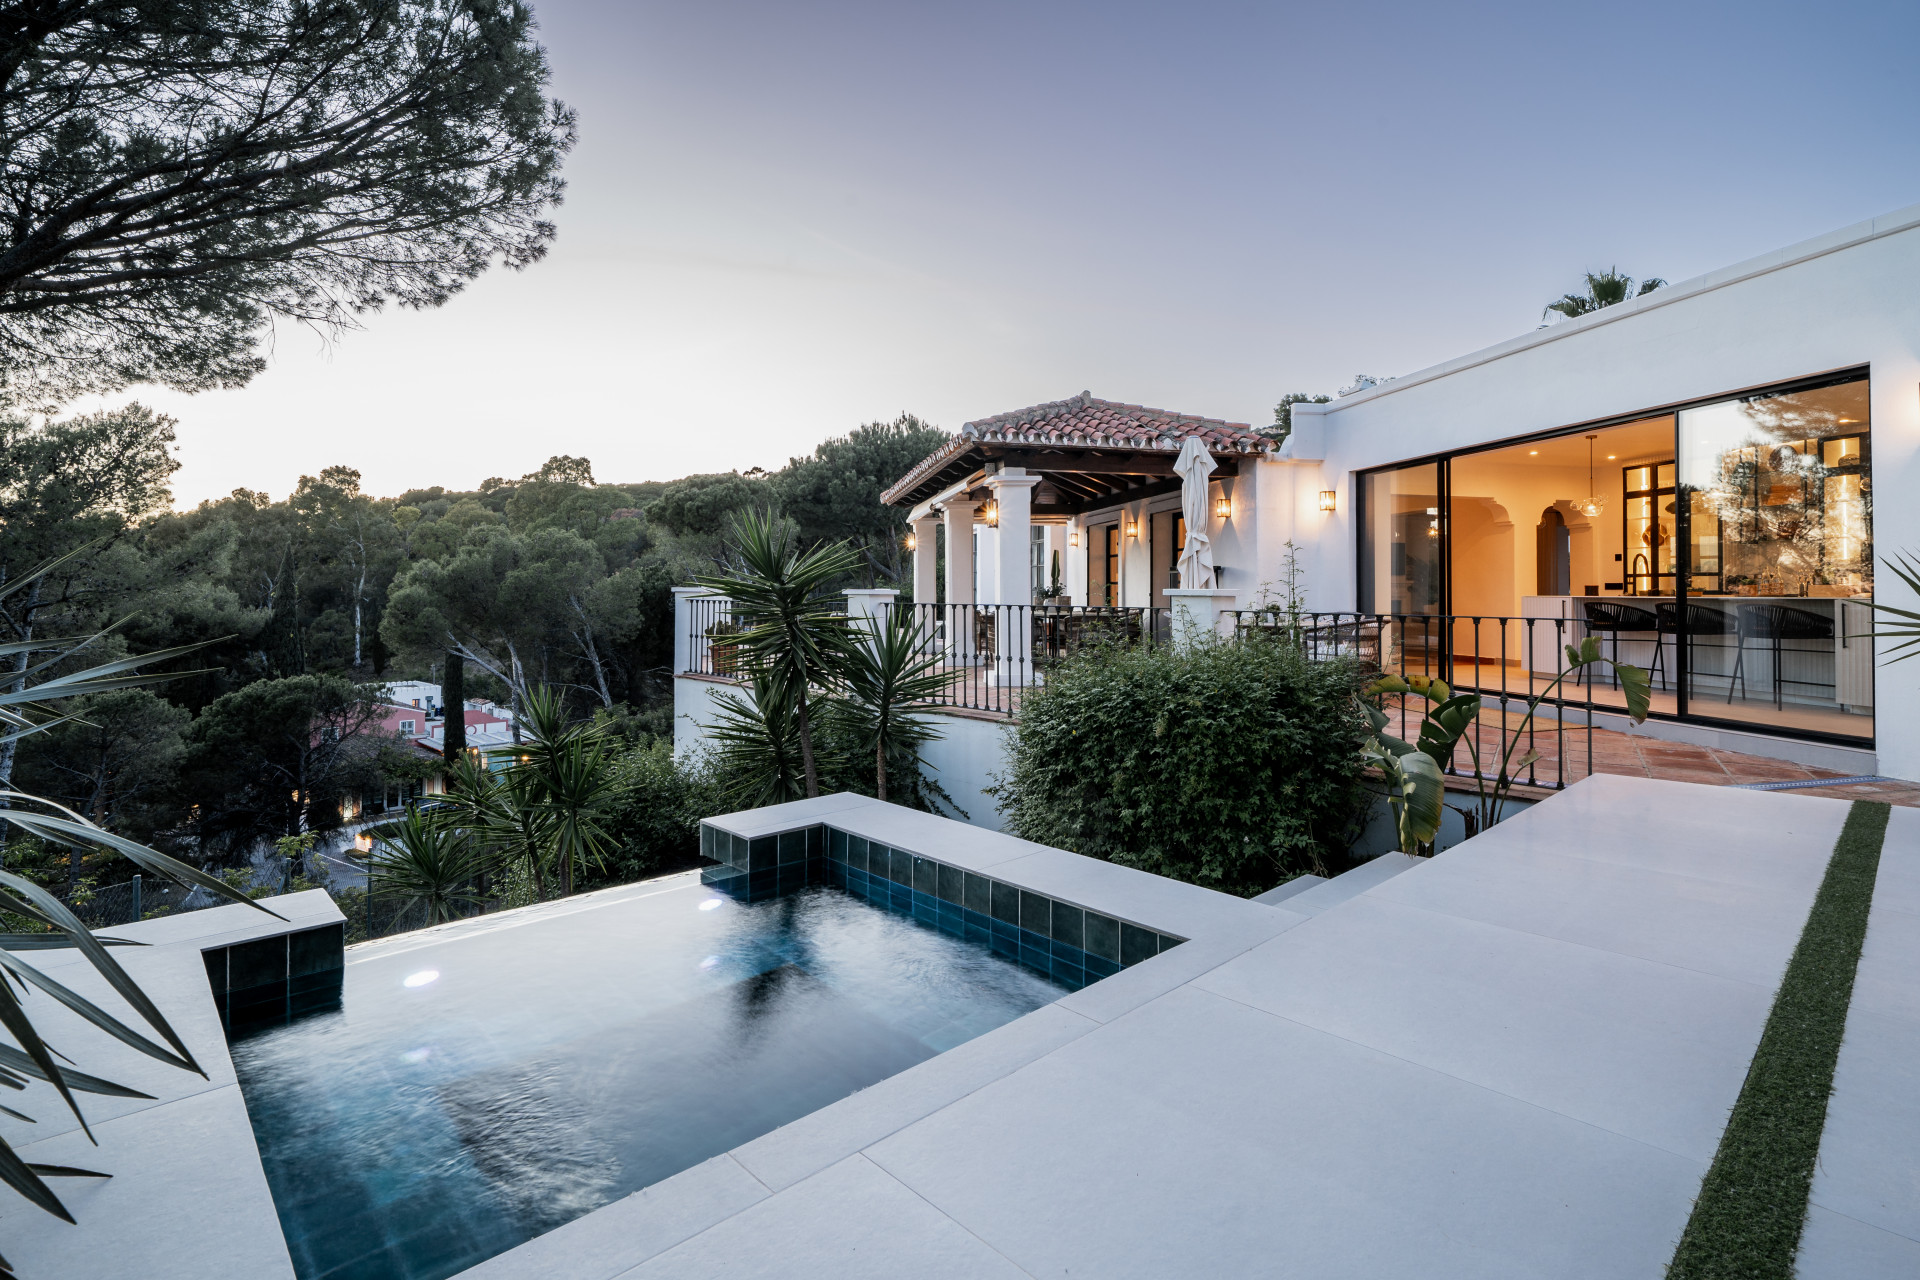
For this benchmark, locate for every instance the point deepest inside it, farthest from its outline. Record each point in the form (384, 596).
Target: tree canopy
(180, 173)
(1604, 289)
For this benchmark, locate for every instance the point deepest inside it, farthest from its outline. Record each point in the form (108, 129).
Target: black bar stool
(1776, 623)
(1605, 617)
(1702, 621)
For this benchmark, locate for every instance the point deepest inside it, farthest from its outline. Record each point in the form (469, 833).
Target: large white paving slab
(850, 1222)
(1767, 839)
(176, 980)
(187, 1201)
(1646, 1050)
(1199, 1137)
(1868, 1169)
(1717, 926)
(1836, 1247)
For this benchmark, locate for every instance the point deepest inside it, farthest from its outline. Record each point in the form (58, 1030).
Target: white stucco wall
(1845, 300)
(970, 751)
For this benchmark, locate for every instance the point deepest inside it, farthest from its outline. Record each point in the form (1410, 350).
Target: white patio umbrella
(1193, 466)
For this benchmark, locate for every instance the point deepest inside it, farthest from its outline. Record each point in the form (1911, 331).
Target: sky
(786, 219)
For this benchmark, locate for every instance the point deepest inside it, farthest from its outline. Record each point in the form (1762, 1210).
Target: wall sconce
(913, 543)
(991, 513)
(1223, 507)
(1073, 537)
(1133, 527)
(1326, 499)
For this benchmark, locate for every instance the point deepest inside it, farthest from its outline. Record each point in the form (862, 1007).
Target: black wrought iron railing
(990, 652)
(1507, 661)
(711, 631)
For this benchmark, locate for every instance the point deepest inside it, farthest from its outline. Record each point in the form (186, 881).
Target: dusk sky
(787, 219)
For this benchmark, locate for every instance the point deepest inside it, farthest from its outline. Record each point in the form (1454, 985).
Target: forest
(299, 608)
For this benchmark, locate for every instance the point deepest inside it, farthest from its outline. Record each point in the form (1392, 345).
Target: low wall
(969, 752)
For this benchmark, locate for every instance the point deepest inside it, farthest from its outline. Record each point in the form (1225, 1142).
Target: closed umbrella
(1193, 466)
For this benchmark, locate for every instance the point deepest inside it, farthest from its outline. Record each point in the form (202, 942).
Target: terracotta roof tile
(1088, 423)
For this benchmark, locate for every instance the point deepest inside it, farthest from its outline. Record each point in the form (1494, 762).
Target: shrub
(1234, 765)
(654, 816)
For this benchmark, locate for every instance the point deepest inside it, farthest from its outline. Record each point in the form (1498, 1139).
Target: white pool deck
(1514, 1059)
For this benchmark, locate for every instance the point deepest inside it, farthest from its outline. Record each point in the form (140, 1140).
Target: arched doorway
(1553, 558)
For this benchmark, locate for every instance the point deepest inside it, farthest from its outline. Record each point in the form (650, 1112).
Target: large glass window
(1400, 541)
(1727, 548)
(1781, 506)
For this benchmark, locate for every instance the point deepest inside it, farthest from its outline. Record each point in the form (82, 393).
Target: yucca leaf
(17, 1024)
(75, 828)
(66, 1171)
(91, 1012)
(80, 1082)
(109, 968)
(21, 1116)
(19, 1175)
(52, 941)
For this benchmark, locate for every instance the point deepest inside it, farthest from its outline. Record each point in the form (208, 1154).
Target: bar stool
(1604, 616)
(1776, 623)
(1702, 621)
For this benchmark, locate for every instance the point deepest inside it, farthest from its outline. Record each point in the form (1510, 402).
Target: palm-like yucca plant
(791, 631)
(1604, 289)
(29, 1057)
(567, 767)
(888, 672)
(539, 805)
(429, 861)
(1905, 624)
(758, 746)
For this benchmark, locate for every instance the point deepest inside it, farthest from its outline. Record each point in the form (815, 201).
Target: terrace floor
(1512, 1060)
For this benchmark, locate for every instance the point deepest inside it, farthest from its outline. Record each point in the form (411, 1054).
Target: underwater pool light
(421, 978)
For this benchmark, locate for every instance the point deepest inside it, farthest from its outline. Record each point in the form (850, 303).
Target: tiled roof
(1087, 423)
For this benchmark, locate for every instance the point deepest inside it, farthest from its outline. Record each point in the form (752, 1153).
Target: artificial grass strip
(1746, 1223)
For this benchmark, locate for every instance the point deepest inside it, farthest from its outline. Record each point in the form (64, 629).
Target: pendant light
(1593, 504)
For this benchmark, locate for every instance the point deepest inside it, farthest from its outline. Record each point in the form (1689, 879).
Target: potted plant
(722, 648)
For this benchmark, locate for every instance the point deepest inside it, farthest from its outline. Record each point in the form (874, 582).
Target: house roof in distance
(1096, 451)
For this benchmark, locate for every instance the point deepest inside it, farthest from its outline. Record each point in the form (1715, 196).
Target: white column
(926, 560)
(870, 606)
(1012, 577)
(1198, 613)
(959, 520)
(958, 614)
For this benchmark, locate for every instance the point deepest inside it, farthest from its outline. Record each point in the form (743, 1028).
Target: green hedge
(655, 813)
(1234, 765)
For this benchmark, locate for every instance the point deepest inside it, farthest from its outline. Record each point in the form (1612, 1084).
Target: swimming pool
(485, 1082)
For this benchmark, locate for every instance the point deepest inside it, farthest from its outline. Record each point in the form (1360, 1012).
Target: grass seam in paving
(1753, 1201)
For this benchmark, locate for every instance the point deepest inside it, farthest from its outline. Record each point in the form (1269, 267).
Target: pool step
(1331, 893)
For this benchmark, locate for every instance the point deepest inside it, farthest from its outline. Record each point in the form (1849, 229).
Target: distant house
(418, 694)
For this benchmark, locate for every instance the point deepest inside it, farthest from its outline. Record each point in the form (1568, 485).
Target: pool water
(486, 1082)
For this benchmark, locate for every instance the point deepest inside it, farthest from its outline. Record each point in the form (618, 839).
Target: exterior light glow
(1223, 507)
(1073, 538)
(1326, 499)
(1133, 527)
(913, 543)
(991, 513)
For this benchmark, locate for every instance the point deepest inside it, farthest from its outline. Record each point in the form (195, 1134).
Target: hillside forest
(303, 605)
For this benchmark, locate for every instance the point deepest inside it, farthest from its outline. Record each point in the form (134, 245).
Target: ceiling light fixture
(1593, 504)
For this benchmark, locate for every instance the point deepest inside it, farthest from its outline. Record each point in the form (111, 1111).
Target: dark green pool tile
(1102, 936)
(1069, 924)
(1005, 905)
(977, 894)
(951, 884)
(1036, 912)
(1137, 944)
(926, 876)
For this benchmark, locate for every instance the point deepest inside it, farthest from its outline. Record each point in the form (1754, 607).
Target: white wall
(1848, 299)
(964, 759)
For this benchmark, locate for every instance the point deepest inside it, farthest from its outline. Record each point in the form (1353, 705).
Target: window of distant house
(406, 726)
